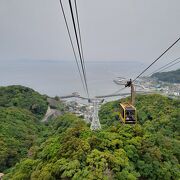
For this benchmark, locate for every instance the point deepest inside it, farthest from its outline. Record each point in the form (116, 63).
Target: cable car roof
(127, 106)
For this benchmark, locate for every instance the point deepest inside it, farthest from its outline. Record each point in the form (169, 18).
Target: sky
(112, 30)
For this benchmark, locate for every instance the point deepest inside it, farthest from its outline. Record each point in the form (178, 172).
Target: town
(79, 106)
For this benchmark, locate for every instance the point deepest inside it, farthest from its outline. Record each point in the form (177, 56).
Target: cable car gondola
(128, 113)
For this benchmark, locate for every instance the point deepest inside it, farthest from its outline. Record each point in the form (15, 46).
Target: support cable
(115, 93)
(111, 95)
(151, 65)
(80, 39)
(70, 38)
(166, 65)
(79, 50)
(156, 59)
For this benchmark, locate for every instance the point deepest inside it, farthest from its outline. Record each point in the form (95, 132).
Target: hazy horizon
(111, 30)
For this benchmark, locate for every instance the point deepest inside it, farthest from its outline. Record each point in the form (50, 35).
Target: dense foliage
(17, 132)
(23, 97)
(148, 150)
(20, 111)
(171, 76)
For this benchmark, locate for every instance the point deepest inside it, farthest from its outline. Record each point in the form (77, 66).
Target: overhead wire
(115, 93)
(79, 31)
(78, 45)
(151, 64)
(70, 38)
(159, 69)
(168, 67)
(156, 60)
(80, 48)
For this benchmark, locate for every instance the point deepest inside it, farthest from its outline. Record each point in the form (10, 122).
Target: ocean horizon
(58, 78)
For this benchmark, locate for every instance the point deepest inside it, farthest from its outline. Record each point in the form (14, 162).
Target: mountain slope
(23, 97)
(148, 150)
(171, 76)
(18, 130)
(21, 109)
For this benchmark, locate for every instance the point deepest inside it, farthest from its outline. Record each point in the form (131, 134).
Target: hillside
(171, 76)
(23, 97)
(148, 150)
(18, 129)
(21, 109)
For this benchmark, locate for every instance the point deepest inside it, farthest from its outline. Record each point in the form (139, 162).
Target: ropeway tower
(95, 124)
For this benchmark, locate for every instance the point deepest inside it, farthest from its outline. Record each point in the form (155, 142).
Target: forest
(66, 148)
(170, 76)
(20, 110)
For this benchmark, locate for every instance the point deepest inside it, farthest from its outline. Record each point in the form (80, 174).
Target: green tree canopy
(23, 97)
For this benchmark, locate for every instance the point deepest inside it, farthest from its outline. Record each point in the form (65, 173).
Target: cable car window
(130, 115)
(132, 112)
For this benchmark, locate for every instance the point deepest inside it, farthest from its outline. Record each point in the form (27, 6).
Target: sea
(60, 78)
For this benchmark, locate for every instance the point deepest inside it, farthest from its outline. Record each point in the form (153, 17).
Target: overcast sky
(112, 30)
